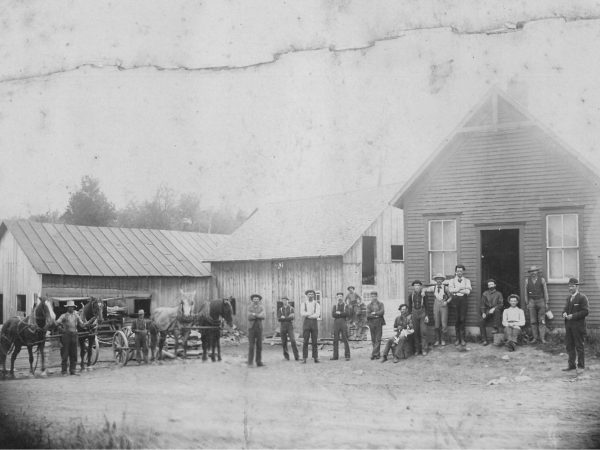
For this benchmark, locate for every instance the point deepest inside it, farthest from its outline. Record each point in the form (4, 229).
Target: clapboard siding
(510, 176)
(17, 276)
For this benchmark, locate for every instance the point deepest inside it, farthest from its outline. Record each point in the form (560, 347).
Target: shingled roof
(60, 249)
(314, 227)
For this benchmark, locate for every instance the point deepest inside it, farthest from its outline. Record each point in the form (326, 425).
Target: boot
(437, 339)
(543, 334)
(463, 338)
(536, 335)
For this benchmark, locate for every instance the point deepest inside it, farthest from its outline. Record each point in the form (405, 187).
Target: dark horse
(93, 309)
(210, 314)
(29, 331)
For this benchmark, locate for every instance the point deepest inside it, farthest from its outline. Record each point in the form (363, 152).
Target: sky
(248, 102)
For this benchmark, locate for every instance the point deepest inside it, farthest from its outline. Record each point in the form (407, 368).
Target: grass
(23, 432)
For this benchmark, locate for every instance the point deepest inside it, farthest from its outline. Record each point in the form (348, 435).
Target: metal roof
(60, 249)
(314, 227)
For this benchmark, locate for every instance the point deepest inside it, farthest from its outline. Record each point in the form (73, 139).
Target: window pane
(437, 262)
(570, 260)
(435, 235)
(554, 231)
(449, 263)
(555, 264)
(449, 235)
(570, 230)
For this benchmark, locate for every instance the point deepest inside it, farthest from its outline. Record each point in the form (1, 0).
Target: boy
(513, 319)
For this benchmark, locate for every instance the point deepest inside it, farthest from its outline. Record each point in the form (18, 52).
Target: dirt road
(438, 401)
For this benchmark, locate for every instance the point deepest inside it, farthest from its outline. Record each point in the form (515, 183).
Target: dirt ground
(443, 400)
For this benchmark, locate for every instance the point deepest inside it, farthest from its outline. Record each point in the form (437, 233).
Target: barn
(503, 193)
(325, 243)
(147, 267)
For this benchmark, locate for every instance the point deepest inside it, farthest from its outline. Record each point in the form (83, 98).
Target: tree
(47, 217)
(89, 206)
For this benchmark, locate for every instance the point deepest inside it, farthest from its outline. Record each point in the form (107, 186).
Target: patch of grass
(22, 431)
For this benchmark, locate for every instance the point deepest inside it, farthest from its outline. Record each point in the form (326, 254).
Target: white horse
(173, 319)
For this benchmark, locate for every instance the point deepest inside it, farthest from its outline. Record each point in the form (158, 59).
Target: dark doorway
(369, 245)
(500, 260)
(1, 308)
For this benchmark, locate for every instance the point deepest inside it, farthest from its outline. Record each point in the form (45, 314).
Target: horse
(210, 314)
(29, 331)
(174, 319)
(92, 309)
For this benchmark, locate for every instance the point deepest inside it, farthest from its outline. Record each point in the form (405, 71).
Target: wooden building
(325, 243)
(503, 193)
(149, 267)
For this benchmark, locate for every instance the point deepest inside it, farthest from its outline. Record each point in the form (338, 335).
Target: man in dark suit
(574, 313)
(286, 318)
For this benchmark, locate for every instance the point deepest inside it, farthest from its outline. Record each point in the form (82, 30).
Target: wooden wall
(275, 279)
(509, 178)
(17, 276)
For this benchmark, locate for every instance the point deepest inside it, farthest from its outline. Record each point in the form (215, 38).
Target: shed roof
(313, 227)
(59, 249)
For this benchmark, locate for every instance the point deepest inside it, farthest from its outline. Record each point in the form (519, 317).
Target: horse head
(186, 303)
(227, 312)
(98, 309)
(44, 314)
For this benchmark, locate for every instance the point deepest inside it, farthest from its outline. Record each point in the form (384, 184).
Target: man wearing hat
(310, 311)
(440, 308)
(492, 303)
(376, 321)
(256, 314)
(417, 309)
(575, 311)
(285, 315)
(459, 288)
(339, 313)
(140, 329)
(69, 321)
(536, 301)
(351, 300)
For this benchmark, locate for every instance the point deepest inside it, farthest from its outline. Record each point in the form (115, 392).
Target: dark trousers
(141, 345)
(287, 331)
(460, 303)
(495, 318)
(310, 331)
(420, 327)
(340, 328)
(69, 351)
(376, 330)
(255, 341)
(574, 342)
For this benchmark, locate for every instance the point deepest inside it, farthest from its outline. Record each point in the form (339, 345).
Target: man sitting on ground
(403, 328)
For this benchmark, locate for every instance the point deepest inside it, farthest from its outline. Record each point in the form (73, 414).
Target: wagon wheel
(120, 348)
(95, 350)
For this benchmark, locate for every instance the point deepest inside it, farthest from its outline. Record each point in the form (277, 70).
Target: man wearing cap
(140, 329)
(351, 300)
(403, 328)
(69, 321)
(339, 313)
(310, 311)
(440, 308)
(492, 303)
(459, 288)
(418, 311)
(285, 315)
(375, 313)
(575, 311)
(513, 318)
(536, 301)
(256, 314)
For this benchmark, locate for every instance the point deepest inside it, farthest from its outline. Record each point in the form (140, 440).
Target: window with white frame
(442, 246)
(562, 246)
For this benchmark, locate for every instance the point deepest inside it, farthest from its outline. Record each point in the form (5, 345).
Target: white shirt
(513, 316)
(311, 310)
(454, 286)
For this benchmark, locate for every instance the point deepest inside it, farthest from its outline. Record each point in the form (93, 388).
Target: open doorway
(369, 248)
(500, 260)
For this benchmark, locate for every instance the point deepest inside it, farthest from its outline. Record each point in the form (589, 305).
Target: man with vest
(140, 329)
(375, 318)
(440, 308)
(310, 311)
(339, 313)
(459, 288)
(418, 311)
(285, 315)
(575, 311)
(256, 315)
(536, 302)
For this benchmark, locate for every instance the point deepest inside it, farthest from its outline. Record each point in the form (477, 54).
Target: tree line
(166, 210)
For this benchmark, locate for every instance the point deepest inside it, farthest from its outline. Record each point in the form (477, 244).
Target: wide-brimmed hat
(70, 304)
(351, 287)
(491, 280)
(439, 275)
(573, 281)
(308, 291)
(285, 298)
(253, 296)
(416, 282)
(340, 293)
(534, 268)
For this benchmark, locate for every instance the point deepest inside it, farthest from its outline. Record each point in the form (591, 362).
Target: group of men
(350, 312)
